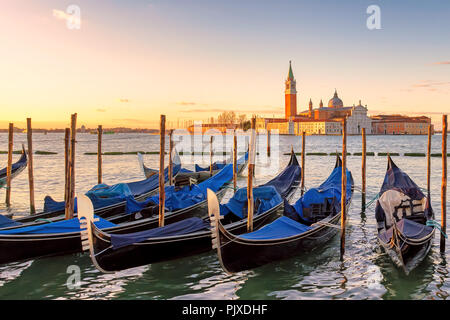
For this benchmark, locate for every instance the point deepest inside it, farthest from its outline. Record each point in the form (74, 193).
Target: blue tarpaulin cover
(409, 228)
(185, 226)
(330, 188)
(216, 166)
(286, 227)
(7, 222)
(284, 181)
(268, 196)
(71, 225)
(103, 195)
(188, 195)
(283, 227)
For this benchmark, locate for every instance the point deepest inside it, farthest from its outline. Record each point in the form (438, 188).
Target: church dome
(335, 102)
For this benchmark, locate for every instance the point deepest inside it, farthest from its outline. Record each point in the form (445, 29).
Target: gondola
(63, 237)
(113, 252)
(311, 221)
(104, 207)
(200, 174)
(16, 168)
(404, 219)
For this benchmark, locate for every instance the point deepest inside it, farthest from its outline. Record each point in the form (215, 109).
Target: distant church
(323, 120)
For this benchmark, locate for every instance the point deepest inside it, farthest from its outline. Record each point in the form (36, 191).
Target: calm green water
(366, 273)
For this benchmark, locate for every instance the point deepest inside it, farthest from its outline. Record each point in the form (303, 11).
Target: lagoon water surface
(366, 272)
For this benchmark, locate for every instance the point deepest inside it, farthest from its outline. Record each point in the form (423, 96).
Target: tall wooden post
(170, 157)
(251, 171)
(99, 153)
(9, 167)
(429, 159)
(211, 154)
(73, 134)
(344, 186)
(444, 182)
(30, 165)
(268, 142)
(162, 142)
(66, 172)
(302, 186)
(234, 160)
(363, 171)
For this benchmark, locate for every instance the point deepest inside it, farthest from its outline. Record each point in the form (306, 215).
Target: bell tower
(290, 95)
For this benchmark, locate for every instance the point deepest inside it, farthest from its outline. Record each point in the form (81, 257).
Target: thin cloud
(100, 110)
(185, 103)
(441, 63)
(123, 100)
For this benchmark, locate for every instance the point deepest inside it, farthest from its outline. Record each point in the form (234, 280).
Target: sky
(131, 61)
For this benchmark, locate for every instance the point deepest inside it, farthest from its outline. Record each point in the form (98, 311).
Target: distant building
(322, 120)
(398, 124)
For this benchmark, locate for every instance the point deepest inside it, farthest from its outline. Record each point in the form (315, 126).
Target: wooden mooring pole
(268, 142)
(99, 153)
(73, 134)
(211, 155)
(344, 186)
(170, 157)
(66, 172)
(162, 142)
(363, 170)
(302, 185)
(9, 167)
(444, 183)
(251, 171)
(234, 160)
(30, 165)
(429, 159)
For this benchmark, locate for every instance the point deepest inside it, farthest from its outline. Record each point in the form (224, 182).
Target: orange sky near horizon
(129, 63)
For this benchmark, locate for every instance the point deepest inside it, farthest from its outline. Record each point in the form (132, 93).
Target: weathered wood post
(162, 142)
(9, 167)
(251, 171)
(30, 165)
(444, 183)
(73, 134)
(170, 157)
(429, 159)
(211, 155)
(66, 172)
(363, 171)
(268, 142)
(344, 186)
(234, 160)
(99, 153)
(302, 186)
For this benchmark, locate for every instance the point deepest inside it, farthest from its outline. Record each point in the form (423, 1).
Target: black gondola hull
(240, 254)
(169, 248)
(23, 247)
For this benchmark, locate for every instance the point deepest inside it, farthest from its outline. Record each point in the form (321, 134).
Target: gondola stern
(216, 226)
(86, 218)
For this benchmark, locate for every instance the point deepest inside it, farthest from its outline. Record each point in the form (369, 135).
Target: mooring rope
(435, 224)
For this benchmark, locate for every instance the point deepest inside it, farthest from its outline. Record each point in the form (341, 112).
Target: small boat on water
(313, 220)
(200, 174)
(405, 219)
(16, 168)
(24, 241)
(113, 252)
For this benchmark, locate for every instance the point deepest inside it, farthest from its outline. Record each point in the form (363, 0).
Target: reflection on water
(365, 273)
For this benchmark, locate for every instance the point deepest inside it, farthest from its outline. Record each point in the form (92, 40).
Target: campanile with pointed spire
(290, 95)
